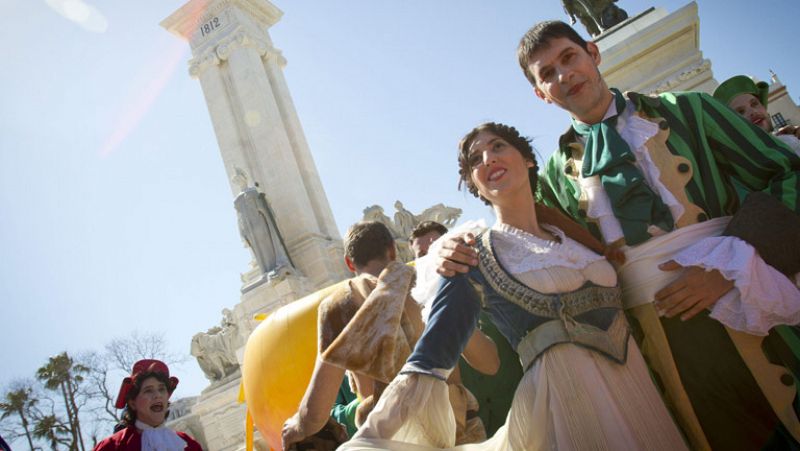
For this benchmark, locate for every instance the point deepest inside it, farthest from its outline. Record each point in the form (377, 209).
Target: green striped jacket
(719, 144)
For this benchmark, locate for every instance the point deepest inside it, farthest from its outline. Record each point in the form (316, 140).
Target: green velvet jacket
(720, 145)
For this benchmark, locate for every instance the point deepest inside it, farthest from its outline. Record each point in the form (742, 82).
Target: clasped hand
(291, 432)
(456, 255)
(695, 290)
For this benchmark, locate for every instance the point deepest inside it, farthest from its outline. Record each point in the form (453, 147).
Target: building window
(778, 120)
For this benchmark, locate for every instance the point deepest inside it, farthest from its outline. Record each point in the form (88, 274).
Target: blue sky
(115, 214)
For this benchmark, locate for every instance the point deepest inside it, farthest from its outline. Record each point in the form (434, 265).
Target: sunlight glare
(81, 13)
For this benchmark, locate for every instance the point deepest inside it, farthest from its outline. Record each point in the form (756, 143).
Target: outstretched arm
(481, 353)
(453, 318)
(316, 405)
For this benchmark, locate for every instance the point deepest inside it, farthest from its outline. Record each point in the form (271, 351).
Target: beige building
(780, 104)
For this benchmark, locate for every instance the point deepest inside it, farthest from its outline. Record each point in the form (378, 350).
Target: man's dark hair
(129, 415)
(366, 241)
(426, 227)
(539, 37)
(512, 136)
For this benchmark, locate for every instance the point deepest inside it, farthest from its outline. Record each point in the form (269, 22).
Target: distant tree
(124, 352)
(20, 402)
(64, 375)
(53, 431)
(117, 359)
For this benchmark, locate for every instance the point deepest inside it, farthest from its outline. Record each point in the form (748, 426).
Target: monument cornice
(221, 50)
(702, 66)
(184, 22)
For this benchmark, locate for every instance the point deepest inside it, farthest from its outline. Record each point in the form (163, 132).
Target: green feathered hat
(741, 84)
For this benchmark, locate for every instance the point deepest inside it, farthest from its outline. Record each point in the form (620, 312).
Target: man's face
(567, 76)
(749, 107)
(421, 244)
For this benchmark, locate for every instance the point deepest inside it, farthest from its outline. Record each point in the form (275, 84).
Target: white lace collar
(520, 251)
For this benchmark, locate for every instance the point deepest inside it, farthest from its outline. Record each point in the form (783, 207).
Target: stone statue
(595, 15)
(259, 230)
(446, 216)
(215, 349)
(375, 213)
(404, 220)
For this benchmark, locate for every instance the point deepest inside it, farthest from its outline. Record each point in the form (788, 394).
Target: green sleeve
(344, 409)
(749, 154)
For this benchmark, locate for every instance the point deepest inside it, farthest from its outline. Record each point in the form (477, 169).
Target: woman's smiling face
(496, 167)
(151, 403)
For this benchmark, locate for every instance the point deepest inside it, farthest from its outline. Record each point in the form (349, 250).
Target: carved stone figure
(444, 215)
(404, 220)
(375, 213)
(215, 349)
(259, 230)
(595, 15)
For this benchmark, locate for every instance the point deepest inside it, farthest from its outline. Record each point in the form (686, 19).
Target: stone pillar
(655, 52)
(256, 124)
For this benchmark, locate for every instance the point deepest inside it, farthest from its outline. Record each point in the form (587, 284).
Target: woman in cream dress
(585, 385)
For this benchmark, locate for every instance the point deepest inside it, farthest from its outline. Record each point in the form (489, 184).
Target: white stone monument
(655, 52)
(262, 144)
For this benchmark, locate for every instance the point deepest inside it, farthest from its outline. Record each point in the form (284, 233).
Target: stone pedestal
(220, 415)
(655, 52)
(266, 298)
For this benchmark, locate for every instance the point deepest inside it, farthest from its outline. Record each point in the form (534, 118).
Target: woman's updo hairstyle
(512, 136)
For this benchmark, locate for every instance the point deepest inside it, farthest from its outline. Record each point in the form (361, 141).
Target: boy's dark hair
(539, 37)
(426, 227)
(366, 241)
(510, 135)
(129, 415)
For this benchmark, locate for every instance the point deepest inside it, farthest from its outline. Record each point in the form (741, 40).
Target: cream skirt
(570, 399)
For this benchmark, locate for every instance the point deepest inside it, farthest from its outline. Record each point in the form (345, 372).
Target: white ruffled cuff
(599, 208)
(439, 373)
(762, 296)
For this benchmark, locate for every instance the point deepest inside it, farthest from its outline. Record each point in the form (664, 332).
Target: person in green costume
(750, 99)
(652, 177)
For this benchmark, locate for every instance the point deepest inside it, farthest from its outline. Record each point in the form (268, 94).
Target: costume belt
(612, 342)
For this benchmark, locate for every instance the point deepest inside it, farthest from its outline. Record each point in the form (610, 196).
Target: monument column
(261, 141)
(256, 125)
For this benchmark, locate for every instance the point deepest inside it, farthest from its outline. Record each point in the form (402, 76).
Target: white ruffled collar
(159, 438)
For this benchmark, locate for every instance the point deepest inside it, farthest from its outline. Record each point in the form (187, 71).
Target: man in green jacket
(652, 176)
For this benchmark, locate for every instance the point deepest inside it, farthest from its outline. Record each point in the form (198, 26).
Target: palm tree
(53, 430)
(62, 374)
(19, 402)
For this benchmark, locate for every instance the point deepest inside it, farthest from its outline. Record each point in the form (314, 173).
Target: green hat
(741, 84)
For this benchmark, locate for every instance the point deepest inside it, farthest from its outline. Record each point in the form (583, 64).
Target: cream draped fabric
(571, 398)
(762, 296)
